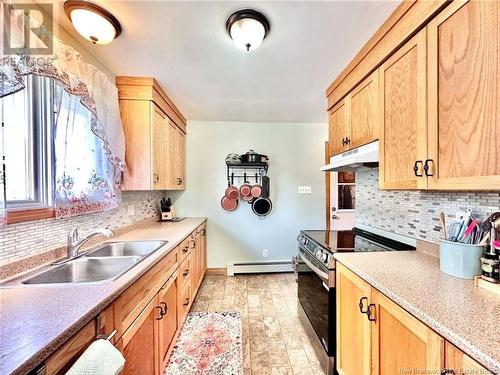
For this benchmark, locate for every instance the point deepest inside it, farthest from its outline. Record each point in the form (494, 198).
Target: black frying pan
(262, 206)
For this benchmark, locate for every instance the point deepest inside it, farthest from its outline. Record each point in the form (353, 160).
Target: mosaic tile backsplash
(34, 237)
(415, 213)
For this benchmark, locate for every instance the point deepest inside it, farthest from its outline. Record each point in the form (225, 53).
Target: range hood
(366, 155)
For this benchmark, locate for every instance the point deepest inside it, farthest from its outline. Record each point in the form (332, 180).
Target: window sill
(30, 215)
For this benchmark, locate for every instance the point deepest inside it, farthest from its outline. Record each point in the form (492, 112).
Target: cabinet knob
(186, 249)
(156, 178)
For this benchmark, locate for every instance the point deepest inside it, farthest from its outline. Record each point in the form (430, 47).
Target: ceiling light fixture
(93, 22)
(247, 28)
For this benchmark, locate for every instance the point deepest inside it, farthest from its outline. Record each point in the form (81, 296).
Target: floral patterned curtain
(89, 144)
(86, 181)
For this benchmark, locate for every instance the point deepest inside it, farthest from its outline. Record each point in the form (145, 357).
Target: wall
(295, 155)
(415, 213)
(34, 237)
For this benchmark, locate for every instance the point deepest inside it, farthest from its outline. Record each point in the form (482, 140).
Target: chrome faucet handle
(73, 236)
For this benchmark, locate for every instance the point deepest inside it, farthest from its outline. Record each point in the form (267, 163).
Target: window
(27, 117)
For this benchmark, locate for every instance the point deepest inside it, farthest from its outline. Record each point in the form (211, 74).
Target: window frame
(41, 128)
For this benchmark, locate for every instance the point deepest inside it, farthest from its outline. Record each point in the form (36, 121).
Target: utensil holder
(459, 259)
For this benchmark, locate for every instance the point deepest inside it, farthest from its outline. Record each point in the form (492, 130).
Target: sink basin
(84, 270)
(117, 249)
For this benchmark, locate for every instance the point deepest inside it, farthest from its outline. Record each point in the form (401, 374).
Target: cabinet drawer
(185, 270)
(131, 302)
(184, 302)
(184, 248)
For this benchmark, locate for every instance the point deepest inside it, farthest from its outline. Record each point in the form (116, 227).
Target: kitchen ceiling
(184, 45)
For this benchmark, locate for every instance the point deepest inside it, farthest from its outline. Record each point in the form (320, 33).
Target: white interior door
(342, 218)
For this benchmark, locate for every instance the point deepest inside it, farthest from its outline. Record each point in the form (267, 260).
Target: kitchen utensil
(262, 206)
(233, 158)
(459, 259)
(231, 191)
(442, 220)
(256, 191)
(229, 204)
(253, 157)
(246, 189)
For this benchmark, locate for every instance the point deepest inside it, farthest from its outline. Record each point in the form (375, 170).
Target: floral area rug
(210, 343)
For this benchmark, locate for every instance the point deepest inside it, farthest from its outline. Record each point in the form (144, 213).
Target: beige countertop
(36, 320)
(463, 314)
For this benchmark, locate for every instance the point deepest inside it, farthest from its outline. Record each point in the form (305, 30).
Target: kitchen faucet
(74, 243)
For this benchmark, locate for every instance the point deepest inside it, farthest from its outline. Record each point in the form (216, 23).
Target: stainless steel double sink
(100, 264)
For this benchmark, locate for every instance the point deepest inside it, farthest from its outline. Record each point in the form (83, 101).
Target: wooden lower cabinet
(401, 344)
(167, 325)
(139, 344)
(458, 363)
(353, 328)
(184, 302)
(376, 336)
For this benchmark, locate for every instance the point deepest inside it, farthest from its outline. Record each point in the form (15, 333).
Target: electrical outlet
(265, 253)
(130, 209)
(304, 190)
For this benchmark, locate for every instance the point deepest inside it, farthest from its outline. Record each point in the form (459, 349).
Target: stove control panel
(318, 252)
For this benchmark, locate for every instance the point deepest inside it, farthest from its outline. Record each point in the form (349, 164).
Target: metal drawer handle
(362, 308)
(415, 168)
(371, 314)
(108, 337)
(185, 273)
(179, 181)
(427, 167)
(186, 249)
(165, 308)
(192, 244)
(156, 178)
(161, 313)
(187, 302)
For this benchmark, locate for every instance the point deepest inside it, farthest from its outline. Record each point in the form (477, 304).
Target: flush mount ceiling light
(93, 22)
(247, 28)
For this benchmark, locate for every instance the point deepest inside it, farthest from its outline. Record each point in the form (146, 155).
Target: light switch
(304, 190)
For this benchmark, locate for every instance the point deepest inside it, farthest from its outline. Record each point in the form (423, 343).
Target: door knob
(335, 217)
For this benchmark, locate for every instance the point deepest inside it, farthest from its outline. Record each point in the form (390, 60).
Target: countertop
(463, 314)
(36, 320)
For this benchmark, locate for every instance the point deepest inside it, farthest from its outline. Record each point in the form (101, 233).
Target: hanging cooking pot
(256, 191)
(229, 204)
(262, 206)
(252, 157)
(231, 191)
(246, 189)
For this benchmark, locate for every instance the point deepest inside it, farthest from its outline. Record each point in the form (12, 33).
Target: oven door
(316, 298)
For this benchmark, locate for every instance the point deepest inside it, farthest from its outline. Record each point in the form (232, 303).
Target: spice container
(490, 265)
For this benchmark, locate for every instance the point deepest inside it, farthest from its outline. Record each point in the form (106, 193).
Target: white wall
(296, 154)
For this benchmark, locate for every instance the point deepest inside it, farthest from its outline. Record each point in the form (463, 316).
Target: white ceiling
(184, 45)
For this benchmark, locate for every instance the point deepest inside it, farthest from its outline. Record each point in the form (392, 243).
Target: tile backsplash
(34, 237)
(415, 213)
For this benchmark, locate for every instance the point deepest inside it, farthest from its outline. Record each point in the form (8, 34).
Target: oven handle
(316, 270)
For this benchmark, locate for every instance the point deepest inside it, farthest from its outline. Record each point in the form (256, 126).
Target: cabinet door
(159, 142)
(194, 262)
(364, 112)
(403, 118)
(353, 327)
(464, 96)
(338, 127)
(203, 250)
(184, 302)
(167, 325)
(459, 363)
(139, 344)
(171, 156)
(180, 159)
(401, 343)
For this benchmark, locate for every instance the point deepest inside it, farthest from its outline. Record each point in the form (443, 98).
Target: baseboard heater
(259, 267)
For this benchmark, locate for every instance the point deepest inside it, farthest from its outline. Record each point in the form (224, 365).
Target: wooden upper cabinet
(401, 342)
(154, 135)
(464, 96)
(403, 116)
(353, 327)
(160, 156)
(364, 112)
(338, 127)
